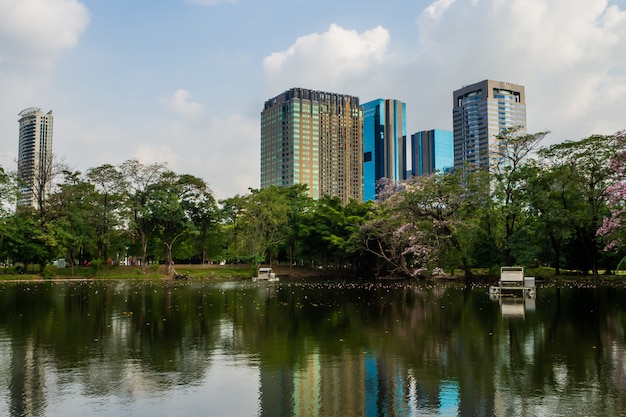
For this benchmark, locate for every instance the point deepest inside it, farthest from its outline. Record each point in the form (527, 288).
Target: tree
(423, 225)
(587, 164)
(109, 185)
(550, 195)
(8, 198)
(203, 211)
(329, 232)
(613, 227)
(72, 208)
(139, 179)
(261, 224)
(510, 152)
(165, 209)
(29, 241)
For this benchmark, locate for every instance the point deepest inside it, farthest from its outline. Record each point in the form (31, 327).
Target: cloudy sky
(184, 81)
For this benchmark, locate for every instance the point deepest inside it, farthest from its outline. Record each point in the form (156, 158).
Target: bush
(47, 273)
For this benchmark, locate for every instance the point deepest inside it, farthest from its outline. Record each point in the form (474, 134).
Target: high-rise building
(34, 158)
(432, 151)
(480, 112)
(384, 141)
(314, 138)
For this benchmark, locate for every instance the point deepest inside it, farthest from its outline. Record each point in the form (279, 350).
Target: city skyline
(184, 82)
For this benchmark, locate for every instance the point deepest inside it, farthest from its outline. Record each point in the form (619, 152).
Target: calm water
(294, 348)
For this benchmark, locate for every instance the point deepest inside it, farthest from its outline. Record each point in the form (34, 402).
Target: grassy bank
(246, 271)
(129, 272)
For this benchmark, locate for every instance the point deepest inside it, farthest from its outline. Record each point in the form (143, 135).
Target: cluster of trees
(561, 206)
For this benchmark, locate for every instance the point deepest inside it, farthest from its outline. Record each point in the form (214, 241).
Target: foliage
(424, 224)
(559, 208)
(586, 169)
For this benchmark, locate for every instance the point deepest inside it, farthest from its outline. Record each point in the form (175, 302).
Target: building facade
(314, 138)
(480, 112)
(34, 160)
(384, 144)
(432, 151)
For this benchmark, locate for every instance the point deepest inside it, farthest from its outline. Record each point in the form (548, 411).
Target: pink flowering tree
(420, 226)
(613, 227)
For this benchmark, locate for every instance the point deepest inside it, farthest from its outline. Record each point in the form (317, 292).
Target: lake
(309, 348)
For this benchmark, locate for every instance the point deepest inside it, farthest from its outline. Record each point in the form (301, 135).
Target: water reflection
(308, 349)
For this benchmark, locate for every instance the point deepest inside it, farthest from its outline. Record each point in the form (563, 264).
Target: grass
(129, 272)
(195, 271)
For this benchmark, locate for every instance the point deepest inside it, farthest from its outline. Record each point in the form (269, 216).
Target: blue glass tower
(432, 151)
(384, 137)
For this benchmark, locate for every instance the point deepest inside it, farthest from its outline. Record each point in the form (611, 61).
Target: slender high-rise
(384, 141)
(480, 112)
(34, 158)
(432, 151)
(314, 138)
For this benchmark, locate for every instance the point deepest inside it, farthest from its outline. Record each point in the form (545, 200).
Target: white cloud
(438, 8)
(337, 59)
(33, 32)
(568, 54)
(181, 103)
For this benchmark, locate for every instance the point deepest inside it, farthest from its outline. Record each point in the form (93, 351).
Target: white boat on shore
(265, 274)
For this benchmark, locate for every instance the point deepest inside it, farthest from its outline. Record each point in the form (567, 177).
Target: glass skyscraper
(34, 157)
(384, 141)
(314, 138)
(432, 151)
(480, 112)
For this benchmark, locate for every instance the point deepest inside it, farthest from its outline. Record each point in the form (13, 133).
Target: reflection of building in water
(27, 381)
(366, 385)
(275, 386)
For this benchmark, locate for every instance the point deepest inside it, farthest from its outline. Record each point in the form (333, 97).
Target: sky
(184, 81)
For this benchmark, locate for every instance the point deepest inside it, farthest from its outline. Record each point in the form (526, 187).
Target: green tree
(261, 225)
(109, 184)
(140, 180)
(73, 209)
(509, 154)
(203, 212)
(586, 164)
(30, 241)
(329, 232)
(165, 209)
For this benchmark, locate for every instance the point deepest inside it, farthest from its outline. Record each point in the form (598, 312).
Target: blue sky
(184, 82)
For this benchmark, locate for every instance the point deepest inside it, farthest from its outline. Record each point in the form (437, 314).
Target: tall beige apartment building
(314, 138)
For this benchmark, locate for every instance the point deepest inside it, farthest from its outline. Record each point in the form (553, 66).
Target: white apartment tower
(34, 160)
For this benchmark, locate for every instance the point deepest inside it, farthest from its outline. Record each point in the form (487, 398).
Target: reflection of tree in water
(106, 338)
(387, 345)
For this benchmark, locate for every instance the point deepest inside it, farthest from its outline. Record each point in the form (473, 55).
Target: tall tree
(588, 163)
(140, 179)
(166, 214)
(550, 195)
(613, 227)
(262, 223)
(73, 207)
(203, 211)
(109, 185)
(510, 152)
